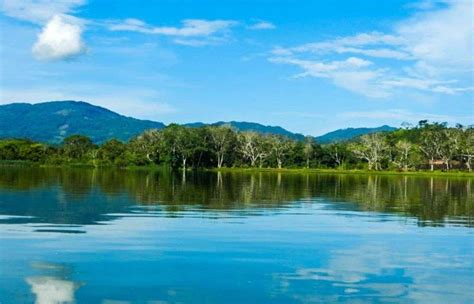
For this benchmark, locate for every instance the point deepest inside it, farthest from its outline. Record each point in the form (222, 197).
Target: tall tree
(372, 148)
(308, 149)
(403, 152)
(338, 153)
(222, 138)
(252, 146)
(281, 147)
(431, 141)
(451, 141)
(466, 147)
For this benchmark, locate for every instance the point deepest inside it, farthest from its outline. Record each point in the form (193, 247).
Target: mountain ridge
(251, 126)
(349, 133)
(52, 121)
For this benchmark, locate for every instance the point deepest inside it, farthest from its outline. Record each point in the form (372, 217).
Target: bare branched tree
(372, 148)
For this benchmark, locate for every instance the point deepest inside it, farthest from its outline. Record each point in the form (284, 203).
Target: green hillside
(53, 121)
(251, 126)
(349, 133)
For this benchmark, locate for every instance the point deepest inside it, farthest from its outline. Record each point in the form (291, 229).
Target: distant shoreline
(344, 171)
(436, 173)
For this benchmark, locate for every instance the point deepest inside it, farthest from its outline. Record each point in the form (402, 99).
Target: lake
(112, 236)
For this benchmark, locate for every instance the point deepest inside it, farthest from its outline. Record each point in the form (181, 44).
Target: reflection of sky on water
(384, 272)
(49, 290)
(306, 254)
(95, 247)
(51, 283)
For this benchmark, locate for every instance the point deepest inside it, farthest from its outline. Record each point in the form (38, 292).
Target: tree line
(424, 146)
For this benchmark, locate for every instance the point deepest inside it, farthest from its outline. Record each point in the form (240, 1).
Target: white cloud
(349, 74)
(38, 11)
(59, 39)
(49, 290)
(443, 38)
(419, 54)
(262, 25)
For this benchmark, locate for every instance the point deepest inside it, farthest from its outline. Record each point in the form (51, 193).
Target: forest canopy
(426, 146)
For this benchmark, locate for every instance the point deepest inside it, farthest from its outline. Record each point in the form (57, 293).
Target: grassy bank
(341, 171)
(249, 170)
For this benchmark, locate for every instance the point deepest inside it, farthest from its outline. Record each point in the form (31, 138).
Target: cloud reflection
(52, 288)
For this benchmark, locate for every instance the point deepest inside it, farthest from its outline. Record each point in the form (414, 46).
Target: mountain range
(349, 133)
(53, 121)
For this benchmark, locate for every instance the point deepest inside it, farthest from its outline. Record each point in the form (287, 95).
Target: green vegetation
(427, 146)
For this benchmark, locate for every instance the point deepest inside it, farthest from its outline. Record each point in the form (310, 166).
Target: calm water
(91, 236)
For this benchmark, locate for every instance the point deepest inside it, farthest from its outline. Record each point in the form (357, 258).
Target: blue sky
(309, 66)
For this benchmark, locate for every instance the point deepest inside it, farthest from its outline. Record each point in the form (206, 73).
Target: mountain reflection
(81, 196)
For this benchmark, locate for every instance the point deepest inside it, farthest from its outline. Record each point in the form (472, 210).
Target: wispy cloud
(262, 25)
(192, 32)
(352, 73)
(189, 28)
(38, 11)
(418, 54)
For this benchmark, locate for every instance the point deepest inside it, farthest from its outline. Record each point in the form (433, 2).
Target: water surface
(111, 236)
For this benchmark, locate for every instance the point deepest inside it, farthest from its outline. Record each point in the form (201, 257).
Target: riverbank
(344, 171)
(436, 173)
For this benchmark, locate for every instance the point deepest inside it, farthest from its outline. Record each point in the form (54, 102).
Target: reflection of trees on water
(429, 199)
(82, 196)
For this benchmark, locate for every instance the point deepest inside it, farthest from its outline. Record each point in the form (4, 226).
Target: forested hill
(51, 122)
(251, 126)
(349, 133)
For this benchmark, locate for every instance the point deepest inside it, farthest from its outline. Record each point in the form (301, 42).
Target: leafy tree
(112, 151)
(145, 148)
(77, 146)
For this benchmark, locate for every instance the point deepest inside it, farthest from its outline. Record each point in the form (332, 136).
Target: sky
(308, 66)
